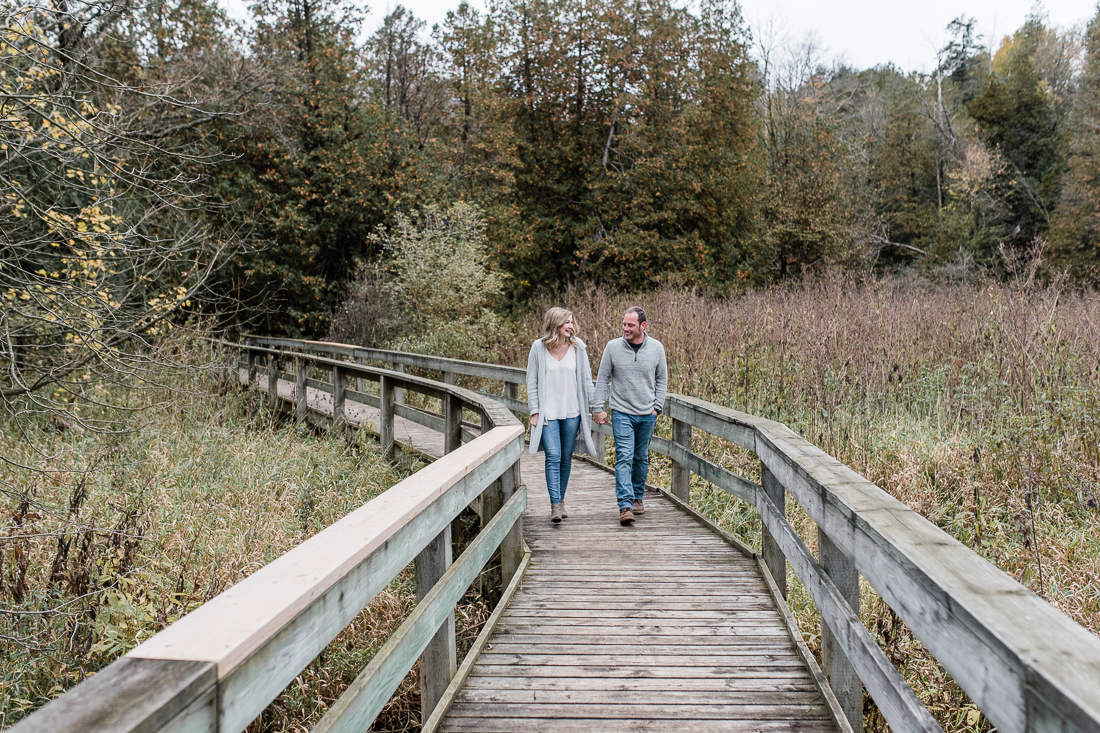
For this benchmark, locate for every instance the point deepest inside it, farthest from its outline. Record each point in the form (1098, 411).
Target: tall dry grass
(978, 405)
(108, 537)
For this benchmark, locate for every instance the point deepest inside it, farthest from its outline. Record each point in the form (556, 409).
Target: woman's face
(567, 329)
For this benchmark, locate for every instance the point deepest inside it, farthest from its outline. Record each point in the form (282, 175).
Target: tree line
(159, 160)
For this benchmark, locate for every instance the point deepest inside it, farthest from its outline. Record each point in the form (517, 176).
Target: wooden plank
(600, 712)
(584, 672)
(360, 704)
(622, 684)
(728, 481)
(738, 428)
(554, 723)
(319, 385)
(133, 696)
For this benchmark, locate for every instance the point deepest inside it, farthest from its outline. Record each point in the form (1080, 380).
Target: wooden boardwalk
(661, 626)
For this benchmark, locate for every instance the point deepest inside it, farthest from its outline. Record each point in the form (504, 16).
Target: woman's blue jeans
(558, 437)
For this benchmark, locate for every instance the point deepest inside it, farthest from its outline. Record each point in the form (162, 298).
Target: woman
(559, 396)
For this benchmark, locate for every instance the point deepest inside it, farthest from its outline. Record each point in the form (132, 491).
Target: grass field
(978, 405)
(111, 536)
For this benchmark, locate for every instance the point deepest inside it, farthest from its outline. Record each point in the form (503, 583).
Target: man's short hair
(639, 311)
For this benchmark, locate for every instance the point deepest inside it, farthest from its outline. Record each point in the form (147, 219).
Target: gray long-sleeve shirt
(638, 381)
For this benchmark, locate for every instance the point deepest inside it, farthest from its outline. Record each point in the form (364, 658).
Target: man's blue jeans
(558, 437)
(632, 435)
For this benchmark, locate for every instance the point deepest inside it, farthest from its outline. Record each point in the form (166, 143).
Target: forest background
(251, 173)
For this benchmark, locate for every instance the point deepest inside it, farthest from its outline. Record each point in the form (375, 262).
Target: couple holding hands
(563, 403)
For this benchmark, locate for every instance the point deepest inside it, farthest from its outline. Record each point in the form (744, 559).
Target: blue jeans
(632, 434)
(558, 437)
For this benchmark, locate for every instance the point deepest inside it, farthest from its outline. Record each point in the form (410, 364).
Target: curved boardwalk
(661, 626)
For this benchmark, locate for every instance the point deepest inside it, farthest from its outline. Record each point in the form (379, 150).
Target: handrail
(219, 666)
(1026, 665)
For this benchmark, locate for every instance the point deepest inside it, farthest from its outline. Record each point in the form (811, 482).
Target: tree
(105, 231)
(1017, 118)
(310, 182)
(1075, 226)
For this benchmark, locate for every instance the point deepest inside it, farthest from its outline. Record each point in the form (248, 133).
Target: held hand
(600, 418)
(656, 413)
(534, 419)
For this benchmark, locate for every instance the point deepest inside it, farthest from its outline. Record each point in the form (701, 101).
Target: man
(635, 368)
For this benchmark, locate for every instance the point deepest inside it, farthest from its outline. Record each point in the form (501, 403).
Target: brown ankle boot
(555, 513)
(626, 516)
(564, 514)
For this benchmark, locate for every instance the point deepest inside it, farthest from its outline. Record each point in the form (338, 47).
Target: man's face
(633, 330)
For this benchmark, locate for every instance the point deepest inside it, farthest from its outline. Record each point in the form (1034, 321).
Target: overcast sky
(861, 33)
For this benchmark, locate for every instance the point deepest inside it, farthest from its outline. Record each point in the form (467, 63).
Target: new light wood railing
(219, 666)
(1026, 665)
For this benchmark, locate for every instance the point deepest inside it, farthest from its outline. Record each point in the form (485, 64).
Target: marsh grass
(977, 405)
(109, 537)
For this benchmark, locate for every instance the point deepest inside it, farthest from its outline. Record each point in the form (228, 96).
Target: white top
(559, 395)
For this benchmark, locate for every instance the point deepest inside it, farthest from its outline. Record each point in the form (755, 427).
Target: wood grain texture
(634, 628)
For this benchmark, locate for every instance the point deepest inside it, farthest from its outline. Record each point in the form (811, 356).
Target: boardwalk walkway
(661, 626)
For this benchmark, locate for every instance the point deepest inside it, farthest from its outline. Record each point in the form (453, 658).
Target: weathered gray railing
(1026, 665)
(219, 666)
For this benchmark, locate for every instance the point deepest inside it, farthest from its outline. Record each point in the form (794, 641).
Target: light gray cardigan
(536, 375)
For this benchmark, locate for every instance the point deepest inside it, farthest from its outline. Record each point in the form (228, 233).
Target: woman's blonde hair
(555, 318)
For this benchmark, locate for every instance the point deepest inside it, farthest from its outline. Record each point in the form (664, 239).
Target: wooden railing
(1026, 665)
(219, 666)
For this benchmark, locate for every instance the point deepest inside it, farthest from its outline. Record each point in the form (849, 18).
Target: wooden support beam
(448, 377)
(301, 371)
(339, 390)
(452, 423)
(385, 416)
(272, 381)
(842, 675)
(439, 661)
(511, 549)
(681, 475)
(769, 547)
(399, 392)
(251, 367)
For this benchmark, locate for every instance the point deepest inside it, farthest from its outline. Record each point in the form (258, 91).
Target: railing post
(359, 384)
(399, 393)
(769, 548)
(842, 676)
(681, 474)
(511, 548)
(339, 386)
(511, 390)
(438, 663)
(452, 423)
(272, 381)
(448, 377)
(385, 416)
(251, 367)
(300, 372)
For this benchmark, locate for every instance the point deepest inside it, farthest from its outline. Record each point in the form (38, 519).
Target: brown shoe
(564, 514)
(626, 516)
(555, 513)
(638, 508)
